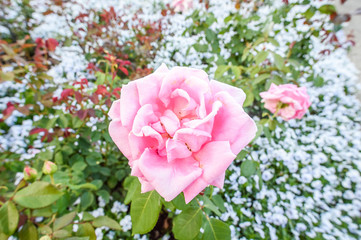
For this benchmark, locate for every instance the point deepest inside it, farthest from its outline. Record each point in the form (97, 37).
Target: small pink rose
(182, 5)
(180, 131)
(287, 101)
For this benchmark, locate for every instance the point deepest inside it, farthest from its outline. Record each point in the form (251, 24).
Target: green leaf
(221, 69)
(28, 232)
(179, 202)
(279, 61)
(6, 76)
(210, 35)
(86, 200)
(236, 71)
(245, 54)
(216, 229)
(188, 223)
(327, 9)
(87, 216)
(260, 57)
(132, 185)
(200, 47)
(61, 234)
(77, 238)
(272, 124)
(37, 195)
(260, 78)
(218, 200)
(267, 133)
(248, 168)
(259, 131)
(79, 166)
(83, 186)
(211, 206)
(310, 12)
(9, 218)
(104, 221)
(44, 230)
(86, 230)
(42, 212)
(249, 97)
(64, 221)
(144, 211)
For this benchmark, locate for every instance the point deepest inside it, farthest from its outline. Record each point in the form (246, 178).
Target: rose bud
(49, 168)
(30, 174)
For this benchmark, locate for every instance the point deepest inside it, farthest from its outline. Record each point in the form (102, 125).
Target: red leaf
(94, 98)
(82, 114)
(51, 44)
(102, 90)
(38, 130)
(124, 70)
(39, 42)
(66, 93)
(116, 92)
(8, 110)
(78, 97)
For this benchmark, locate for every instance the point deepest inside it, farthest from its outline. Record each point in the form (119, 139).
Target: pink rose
(182, 5)
(179, 130)
(287, 100)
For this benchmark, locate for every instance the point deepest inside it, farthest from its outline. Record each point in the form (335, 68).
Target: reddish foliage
(66, 93)
(51, 44)
(10, 107)
(101, 90)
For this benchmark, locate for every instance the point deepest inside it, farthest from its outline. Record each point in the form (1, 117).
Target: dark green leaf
(211, 206)
(144, 211)
(188, 223)
(86, 200)
(248, 168)
(132, 185)
(216, 230)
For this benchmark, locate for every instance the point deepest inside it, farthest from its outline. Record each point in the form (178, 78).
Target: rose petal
(214, 158)
(194, 138)
(232, 124)
(147, 138)
(114, 111)
(169, 179)
(235, 92)
(144, 117)
(170, 122)
(120, 134)
(176, 149)
(129, 102)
